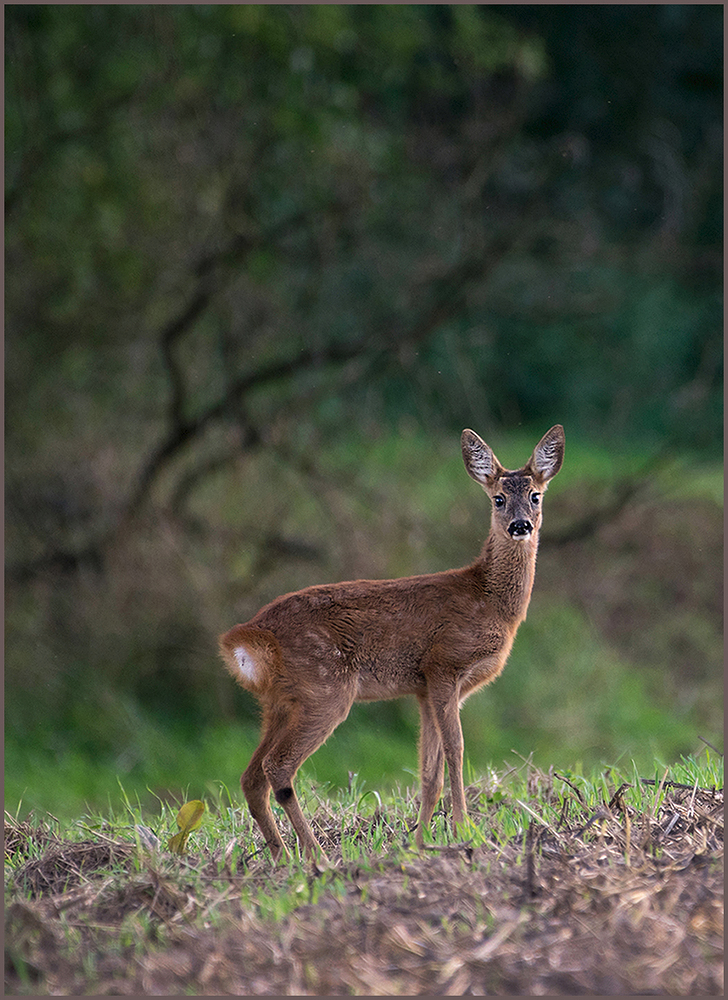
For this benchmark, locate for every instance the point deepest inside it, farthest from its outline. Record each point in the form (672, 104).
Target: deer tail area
(251, 656)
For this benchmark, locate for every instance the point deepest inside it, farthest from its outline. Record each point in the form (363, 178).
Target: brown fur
(308, 656)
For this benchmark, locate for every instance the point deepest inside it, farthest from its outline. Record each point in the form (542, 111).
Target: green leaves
(189, 818)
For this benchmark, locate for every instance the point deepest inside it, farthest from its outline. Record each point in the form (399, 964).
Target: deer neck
(508, 568)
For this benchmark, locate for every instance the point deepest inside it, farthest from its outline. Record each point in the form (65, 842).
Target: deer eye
(499, 500)
(535, 499)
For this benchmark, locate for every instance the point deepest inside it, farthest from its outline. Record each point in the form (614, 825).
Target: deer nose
(520, 529)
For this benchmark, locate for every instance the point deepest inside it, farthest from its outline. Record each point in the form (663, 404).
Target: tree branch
(449, 292)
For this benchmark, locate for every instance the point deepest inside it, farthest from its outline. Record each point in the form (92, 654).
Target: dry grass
(591, 898)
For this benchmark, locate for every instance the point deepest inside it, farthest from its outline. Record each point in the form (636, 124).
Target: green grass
(502, 804)
(71, 781)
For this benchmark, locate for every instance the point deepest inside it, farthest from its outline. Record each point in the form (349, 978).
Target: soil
(605, 903)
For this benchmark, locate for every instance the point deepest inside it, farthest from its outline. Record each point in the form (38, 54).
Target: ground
(606, 901)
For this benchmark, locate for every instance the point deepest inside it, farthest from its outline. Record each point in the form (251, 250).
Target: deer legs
(432, 767)
(441, 739)
(292, 731)
(256, 788)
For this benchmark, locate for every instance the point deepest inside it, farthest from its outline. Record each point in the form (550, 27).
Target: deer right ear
(480, 462)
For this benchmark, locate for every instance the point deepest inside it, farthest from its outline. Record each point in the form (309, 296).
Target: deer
(309, 655)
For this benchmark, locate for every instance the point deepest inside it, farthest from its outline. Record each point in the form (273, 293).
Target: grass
(177, 766)
(362, 820)
(552, 862)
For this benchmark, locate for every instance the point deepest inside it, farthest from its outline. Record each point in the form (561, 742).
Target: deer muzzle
(520, 529)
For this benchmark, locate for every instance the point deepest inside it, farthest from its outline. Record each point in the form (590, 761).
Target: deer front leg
(432, 768)
(445, 707)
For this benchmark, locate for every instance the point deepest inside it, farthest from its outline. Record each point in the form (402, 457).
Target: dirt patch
(605, 902)
(64, 866)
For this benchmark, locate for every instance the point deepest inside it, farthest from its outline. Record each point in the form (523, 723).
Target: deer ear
(548, 454)
(480, 462)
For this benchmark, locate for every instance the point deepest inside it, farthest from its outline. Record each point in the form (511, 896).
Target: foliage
(233, 185)
(253, 251)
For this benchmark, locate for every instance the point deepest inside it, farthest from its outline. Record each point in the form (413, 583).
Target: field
(608, 884)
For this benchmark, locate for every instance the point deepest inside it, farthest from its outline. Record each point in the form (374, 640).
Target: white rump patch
(246, 664)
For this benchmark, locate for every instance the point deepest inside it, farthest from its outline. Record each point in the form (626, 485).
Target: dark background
(264, 263)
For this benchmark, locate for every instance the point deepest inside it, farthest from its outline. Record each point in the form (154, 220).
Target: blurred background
(263, 264)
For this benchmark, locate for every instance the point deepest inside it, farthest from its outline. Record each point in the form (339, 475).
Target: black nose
(516, 529)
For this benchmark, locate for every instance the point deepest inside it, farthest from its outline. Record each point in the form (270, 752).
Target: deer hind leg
(256, 789)
(307, 726)
(432, 768)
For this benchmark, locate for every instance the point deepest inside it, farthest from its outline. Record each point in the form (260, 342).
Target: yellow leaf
(190, 815)
(188, 819)
(177, 843)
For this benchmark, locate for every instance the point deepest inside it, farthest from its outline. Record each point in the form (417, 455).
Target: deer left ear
(548, 455)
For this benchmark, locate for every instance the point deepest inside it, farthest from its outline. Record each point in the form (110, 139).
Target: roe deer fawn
(308, 656)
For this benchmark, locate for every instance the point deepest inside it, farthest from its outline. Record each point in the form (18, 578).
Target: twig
(719, 752)
(678, 784)
(572, 786)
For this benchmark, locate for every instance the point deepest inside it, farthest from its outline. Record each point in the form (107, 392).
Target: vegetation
(555, 863)
(263, 264)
